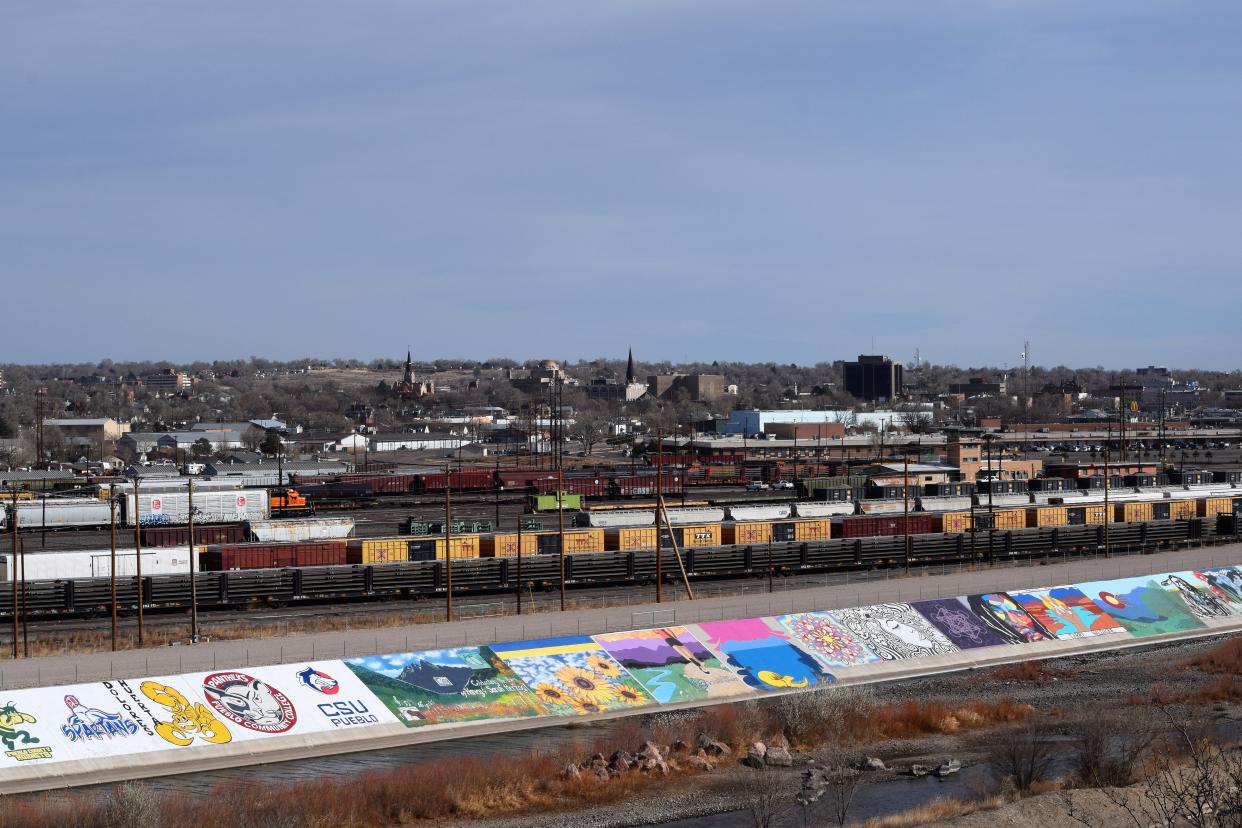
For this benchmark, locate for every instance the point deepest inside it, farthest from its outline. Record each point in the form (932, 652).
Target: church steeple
(629, 369)
(408, 379)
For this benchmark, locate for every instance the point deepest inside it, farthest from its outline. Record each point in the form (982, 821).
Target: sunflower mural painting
(762, 653)
(572, 676)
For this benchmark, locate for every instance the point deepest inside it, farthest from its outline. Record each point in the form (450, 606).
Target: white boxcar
(692, 515)
(59, 512)
(173, 484)
(309, 529)
(775, 511)
(621, 518)
(172, 508)
(824, 509)
(97, 563)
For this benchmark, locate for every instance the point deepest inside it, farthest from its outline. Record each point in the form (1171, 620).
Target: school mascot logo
(319, 681)
(253, 704)
(87, 723)
(15, 737)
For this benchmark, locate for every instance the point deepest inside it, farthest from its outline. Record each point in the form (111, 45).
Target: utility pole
(40, 393)
(905, 505)
(521, 520)
(138, 560)
(560, 519)
(193, 567)
(991, 511)
(660, 525)
(448, 542)
(112, 566)
(1107, 550)
(13, 574)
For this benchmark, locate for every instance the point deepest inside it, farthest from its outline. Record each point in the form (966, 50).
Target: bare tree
(767, 794)
(589, 428)
(1023, 757)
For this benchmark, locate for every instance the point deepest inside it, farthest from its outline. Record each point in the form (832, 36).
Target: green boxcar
(547, 502)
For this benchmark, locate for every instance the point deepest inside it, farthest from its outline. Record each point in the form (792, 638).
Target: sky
(785, 181)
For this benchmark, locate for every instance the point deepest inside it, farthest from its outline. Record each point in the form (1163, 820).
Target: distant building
(538, 379)
(698, 387)
(873, 378)
(603, 388)
(969, 454)
(95, 429)
(410, 385)
(167, 381)
(977, 387)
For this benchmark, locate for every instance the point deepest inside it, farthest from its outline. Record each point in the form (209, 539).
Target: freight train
(171, 508)
(427, 579)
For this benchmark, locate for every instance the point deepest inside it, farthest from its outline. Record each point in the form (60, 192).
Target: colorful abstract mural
(761, 653)
(1066, 612)
(825, 638)
(894, 631)
(572, 676)
(464, 684)
(1225, 582)
(1008, 620)
(957, 623)
(1142, 606)
(671, 664)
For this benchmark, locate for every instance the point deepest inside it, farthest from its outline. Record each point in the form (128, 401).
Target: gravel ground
(1108, 677)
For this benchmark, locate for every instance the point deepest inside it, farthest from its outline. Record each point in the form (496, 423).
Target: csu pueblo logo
(319, 681)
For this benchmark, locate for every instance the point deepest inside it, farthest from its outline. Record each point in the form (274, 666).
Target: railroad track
(413, 581)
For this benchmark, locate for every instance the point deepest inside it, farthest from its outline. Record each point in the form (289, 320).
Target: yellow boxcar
(399, 550)
(953, 523)
(751, 531)
(1047, 516)
(377, 550)
(505, 545)
(690, 537)
(1213, 506)
(630, 539)
(1010, 518)
(812, 529)
(1136, 512)
(1096, 514)
(577, 541)
(1182, 509)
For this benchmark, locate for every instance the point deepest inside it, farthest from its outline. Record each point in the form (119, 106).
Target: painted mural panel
(1205, 600)
(957, 623)
(1067, 612)
(1142, 606)
(1008, 620)
(463, 684)
(827, 639)
(1225, 583)
(761, 653)
(894, 631)
(572, 676)
(672, 665)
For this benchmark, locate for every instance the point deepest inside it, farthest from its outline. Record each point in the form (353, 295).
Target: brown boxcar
(865, 526)
(160, 536)
(1047, 516)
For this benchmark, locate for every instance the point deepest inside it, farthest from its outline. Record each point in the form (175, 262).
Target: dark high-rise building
(873, 378)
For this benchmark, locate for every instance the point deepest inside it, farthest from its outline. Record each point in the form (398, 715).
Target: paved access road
(55, 670)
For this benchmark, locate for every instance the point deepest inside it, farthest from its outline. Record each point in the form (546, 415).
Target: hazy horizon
(794, 182)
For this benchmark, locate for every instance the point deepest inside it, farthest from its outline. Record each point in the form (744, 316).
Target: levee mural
(465, 684)
(248, 711)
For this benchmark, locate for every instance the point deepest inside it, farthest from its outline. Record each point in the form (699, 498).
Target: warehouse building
(95, 429)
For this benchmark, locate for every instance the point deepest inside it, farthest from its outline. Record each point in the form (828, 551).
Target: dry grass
(1225, 658)
(1023, 671)
(938, 810)
(912, 719)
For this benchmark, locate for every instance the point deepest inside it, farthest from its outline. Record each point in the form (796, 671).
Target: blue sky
(704, 180)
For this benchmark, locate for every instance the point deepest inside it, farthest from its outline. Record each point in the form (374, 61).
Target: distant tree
(201, 448)
(589, 428)
(272, 444)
